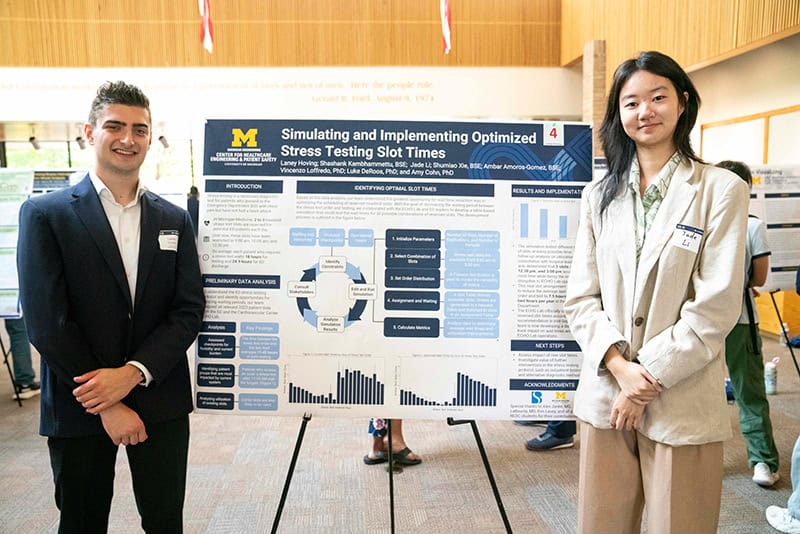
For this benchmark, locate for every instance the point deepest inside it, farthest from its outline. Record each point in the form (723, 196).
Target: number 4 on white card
(553, 134)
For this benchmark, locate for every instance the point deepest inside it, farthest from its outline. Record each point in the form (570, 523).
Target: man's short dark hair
(118, 93)
(739, 168)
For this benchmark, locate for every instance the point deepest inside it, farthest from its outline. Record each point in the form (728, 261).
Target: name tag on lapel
(168, 240)
(687, 237)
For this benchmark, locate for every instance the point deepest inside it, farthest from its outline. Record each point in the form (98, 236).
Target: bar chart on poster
(340, 385)
(469, 392)
(537, 222)
(389, 268)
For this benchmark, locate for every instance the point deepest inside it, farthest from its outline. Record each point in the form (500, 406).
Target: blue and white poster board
(389, 268)
(15, 187)
(775, 199)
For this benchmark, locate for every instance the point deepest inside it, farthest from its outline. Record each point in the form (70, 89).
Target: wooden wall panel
(693, 32)
(157, 33)
(757, 24)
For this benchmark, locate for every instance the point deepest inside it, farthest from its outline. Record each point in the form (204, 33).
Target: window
(166, 171)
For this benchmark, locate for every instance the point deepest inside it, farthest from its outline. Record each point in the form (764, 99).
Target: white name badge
(168, 240)
(687, 237)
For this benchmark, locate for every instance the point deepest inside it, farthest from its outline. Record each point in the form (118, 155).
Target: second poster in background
(389, 268)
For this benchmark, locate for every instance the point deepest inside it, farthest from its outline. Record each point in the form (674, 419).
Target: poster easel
(391, 469)
(783, 331)
(6, 353)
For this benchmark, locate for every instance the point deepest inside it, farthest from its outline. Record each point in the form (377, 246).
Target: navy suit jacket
(80, 313)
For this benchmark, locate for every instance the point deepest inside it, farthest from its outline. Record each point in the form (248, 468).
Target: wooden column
(594, 89)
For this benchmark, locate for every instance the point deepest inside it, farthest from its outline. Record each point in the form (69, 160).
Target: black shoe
(549, 442)
(26, 391)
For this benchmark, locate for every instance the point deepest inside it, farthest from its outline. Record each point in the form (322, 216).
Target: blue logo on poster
(247, 138)
(536, 397)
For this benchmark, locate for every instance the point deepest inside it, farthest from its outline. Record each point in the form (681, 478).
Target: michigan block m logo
(248, 137)
(561, 395)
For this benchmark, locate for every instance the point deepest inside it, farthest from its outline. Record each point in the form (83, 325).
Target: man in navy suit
(113, 297)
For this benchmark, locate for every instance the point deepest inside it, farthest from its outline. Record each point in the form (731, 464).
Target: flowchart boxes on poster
(297, 289)
(214, 346)
(330, 325)
(215, 375)
(215, 401)
(261, 402)
(258, 376)
(302, 237)
(412, 300)
(332, 264)
(331, 237)
(259, 347)
(362, 291)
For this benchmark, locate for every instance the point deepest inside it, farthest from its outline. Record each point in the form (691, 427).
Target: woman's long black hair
(618, 147)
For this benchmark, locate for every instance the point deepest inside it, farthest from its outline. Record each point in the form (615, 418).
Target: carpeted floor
(237, 468)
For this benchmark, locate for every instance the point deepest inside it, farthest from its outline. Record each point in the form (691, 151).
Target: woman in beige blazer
(654, 289)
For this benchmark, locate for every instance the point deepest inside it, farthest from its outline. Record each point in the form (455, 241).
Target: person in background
(557, 435)
(654, 288)
(113, 297)
(788, 519)
(743, 351)
(401, 454)
(193, 207)
(24, 375)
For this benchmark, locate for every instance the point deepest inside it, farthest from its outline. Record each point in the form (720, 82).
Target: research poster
(775, 199)
(15, 187)
(389, 268)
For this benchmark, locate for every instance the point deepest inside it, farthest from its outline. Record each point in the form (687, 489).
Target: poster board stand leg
(10, 372)
(391, 470)
(452, 422)
(783, 332)
(277, 520)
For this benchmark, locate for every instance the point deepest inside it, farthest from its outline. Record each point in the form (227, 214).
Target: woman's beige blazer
(673, 311)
